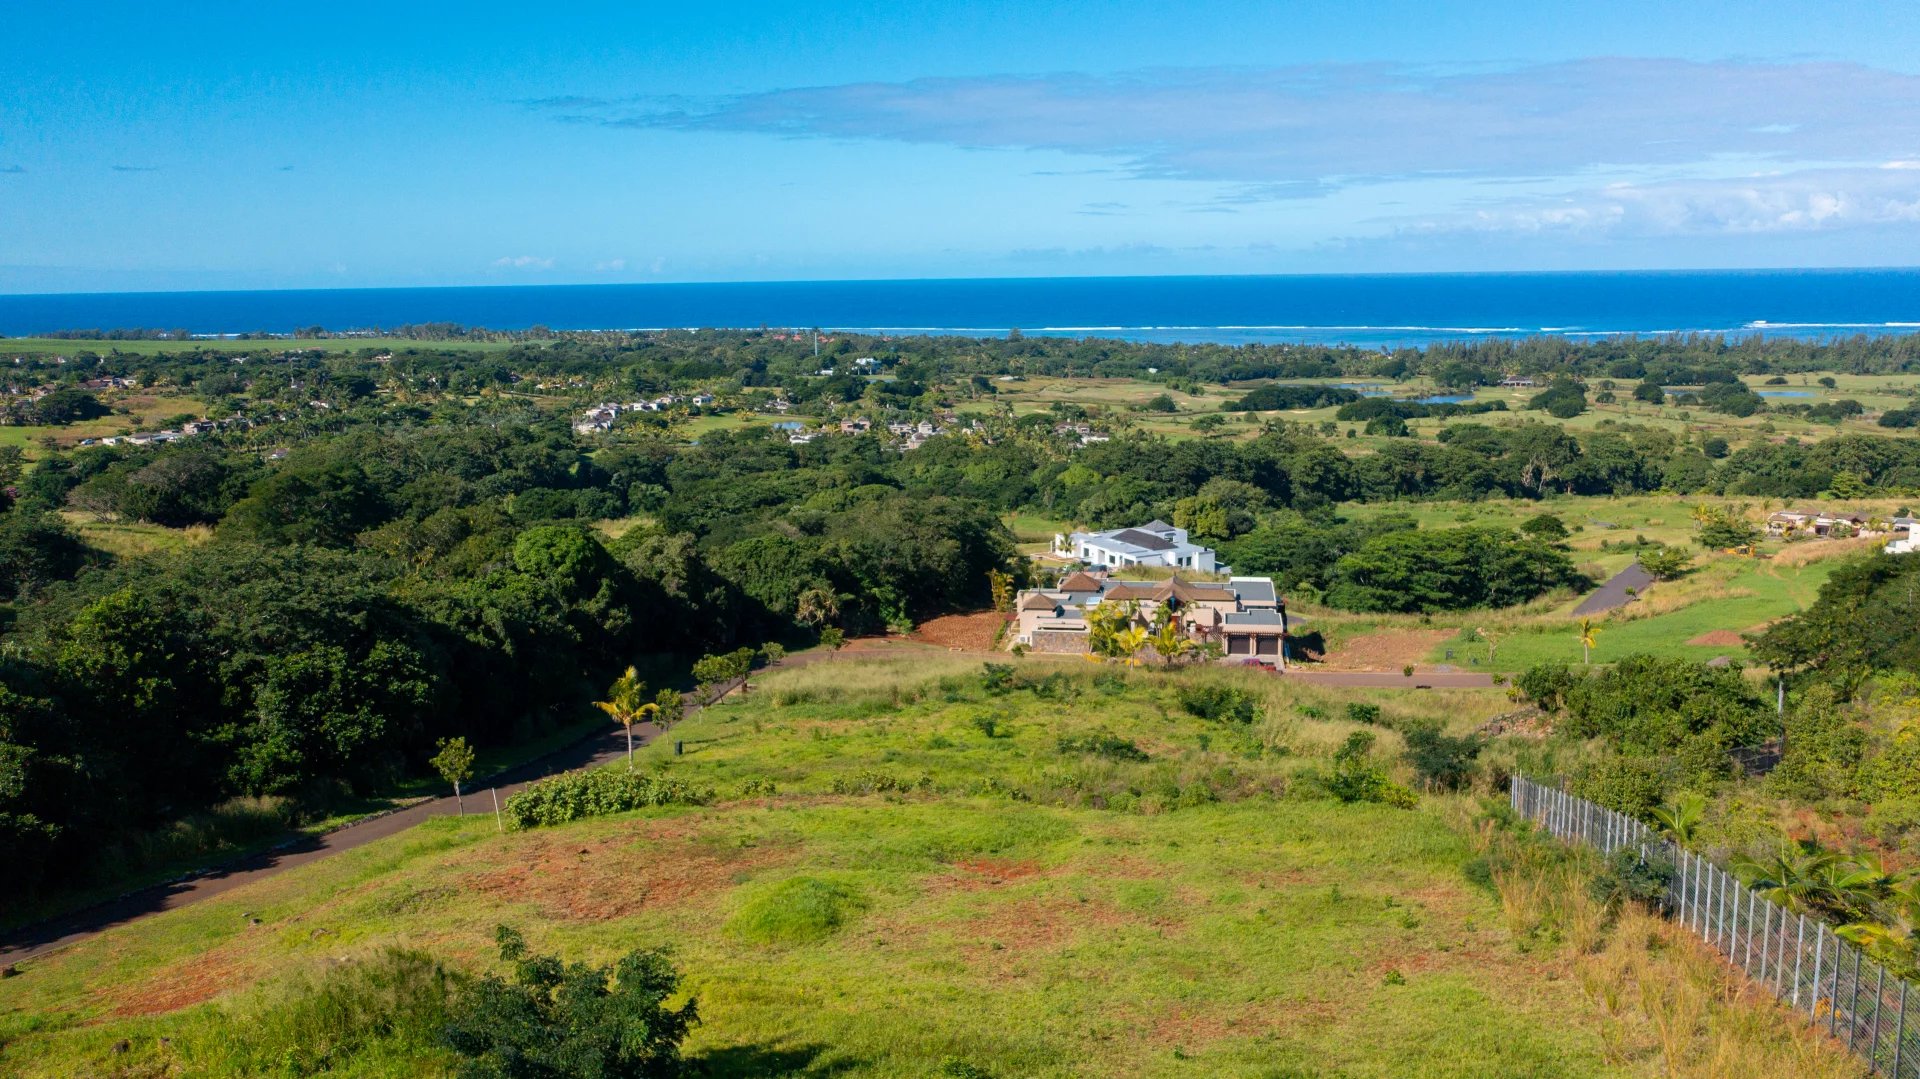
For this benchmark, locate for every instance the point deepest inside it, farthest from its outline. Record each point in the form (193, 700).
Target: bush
(1441, 759)
(1545, 684)
(1221, 703)
(872, 781)
(1630, 875)
(1631, 785)
(1101, 744)
(1361, 712)
(592, 794)
(571, 1019)
(1358, 778)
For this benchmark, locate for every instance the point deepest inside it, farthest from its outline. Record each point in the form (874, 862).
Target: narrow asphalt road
(1614, 592)
(29, 941)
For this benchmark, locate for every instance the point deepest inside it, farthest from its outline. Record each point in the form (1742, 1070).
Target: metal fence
(1799, 958)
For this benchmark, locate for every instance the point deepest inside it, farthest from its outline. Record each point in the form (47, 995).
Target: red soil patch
(966, 632)
(182, 985)
(1718, 638)
(1026, 924)
(1389, 650)
(617, 876)
(978, 874)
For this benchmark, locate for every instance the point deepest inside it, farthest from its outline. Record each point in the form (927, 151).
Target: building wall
(1054, 640)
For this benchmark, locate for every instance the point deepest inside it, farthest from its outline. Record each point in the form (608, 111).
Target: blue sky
(242, 146)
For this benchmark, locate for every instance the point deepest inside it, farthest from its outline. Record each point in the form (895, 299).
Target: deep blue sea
(1367, 310)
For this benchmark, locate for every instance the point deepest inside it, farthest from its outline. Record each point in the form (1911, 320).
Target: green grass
(1251, 932)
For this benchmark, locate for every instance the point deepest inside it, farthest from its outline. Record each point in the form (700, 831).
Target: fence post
(1853, 1008)
(1900, 1030)
(1819, 953)
(1873, 1046)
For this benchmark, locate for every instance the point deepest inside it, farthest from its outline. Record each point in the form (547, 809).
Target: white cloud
(1303, 128)
(522, 262)
(610, 265)
(1787, 202)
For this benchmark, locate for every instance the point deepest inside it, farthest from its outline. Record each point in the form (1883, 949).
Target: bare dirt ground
(1719, 638)
(1388, 650)
(973, 632)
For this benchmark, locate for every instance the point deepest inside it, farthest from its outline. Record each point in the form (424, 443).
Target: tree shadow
(768, 1060)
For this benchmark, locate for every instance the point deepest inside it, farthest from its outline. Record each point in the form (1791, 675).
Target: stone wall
(1058, 640)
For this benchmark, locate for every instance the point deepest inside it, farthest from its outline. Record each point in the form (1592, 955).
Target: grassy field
(1013, 907)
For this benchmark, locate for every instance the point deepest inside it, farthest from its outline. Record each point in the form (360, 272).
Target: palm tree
(1169, 641)
(627, 703)
(1681, 817)
(1130, 641)
(1589, 634)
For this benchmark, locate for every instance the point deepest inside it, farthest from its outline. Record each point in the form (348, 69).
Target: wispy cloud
(135, 168)
(522, 262)
(1785, 202)
(11, 170)
(1299, 131)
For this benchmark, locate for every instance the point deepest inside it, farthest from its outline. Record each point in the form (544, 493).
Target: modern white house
(1155, 543)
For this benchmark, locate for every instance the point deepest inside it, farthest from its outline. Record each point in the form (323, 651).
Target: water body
(1445, 399)
(1786, 393)
(1364, 310)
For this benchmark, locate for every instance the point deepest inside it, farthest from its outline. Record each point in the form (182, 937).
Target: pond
(1444, 399)
(1786, 393)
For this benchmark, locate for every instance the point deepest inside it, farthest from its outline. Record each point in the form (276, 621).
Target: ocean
(1369, 310)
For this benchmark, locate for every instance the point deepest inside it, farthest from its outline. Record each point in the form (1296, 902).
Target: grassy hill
(912, 868)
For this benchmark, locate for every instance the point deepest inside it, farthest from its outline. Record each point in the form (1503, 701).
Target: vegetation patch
(797, 910)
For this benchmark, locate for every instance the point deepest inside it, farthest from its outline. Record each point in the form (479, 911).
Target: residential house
(1820, 523)
(1245, 616)
(1155, 543)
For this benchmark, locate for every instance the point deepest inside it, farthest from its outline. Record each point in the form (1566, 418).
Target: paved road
(29, 941)
(1614, 592)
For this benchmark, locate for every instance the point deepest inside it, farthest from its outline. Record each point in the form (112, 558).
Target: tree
(557, 1019)
(1665, 563)
(714, 671)
(668, 707)
(626, 702)
(1000, 584)
(1169, 641)
(1589, 633)
(1722, 528)
(454, 762)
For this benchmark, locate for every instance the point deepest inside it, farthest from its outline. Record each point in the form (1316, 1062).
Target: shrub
(592, 794)
(1631, 785)
(1545, 684)
(1101, 744)
(572, 1019)
(1441, 759)
(1361, 712)
(1220, 703)
(872, 781)
(1358, 778)
(998, 678)
(833, 637)
(1629, 874)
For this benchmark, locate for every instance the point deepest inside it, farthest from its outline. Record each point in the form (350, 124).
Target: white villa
(1155, 543)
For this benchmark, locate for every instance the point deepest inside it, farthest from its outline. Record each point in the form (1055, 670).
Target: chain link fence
(1799, 958)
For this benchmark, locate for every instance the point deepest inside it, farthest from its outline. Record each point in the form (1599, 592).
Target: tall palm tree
(627, 703)
(1130, 641)
(1589, 636)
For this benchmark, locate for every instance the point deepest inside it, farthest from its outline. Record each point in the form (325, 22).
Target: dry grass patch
(618, 876)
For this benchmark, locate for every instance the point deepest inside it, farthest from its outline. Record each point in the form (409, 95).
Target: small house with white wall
(1155, 543)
